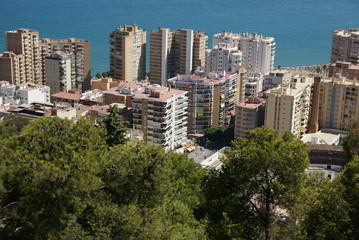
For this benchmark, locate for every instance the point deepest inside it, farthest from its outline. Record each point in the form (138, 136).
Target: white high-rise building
(258, 53)
(161, 114)
(223, 57)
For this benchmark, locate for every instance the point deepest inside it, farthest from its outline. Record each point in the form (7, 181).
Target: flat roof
(65, 95)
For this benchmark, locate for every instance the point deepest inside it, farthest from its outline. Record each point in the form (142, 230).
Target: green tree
(12, 125)
(156, 191)
(52, 169)
(321, 211)
(261, 175)
(351, 142)
(350, 181)
(219, 134)
(115, 128)
(98, 75)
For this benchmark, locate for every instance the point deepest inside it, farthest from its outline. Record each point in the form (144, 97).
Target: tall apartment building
(257, 52)
(175, 52)
(128, 53)
(345, 46)
(249, 115)
(12, 68)
(223, 57)
(80, 50)
(338, 103)
(344, 69)
(58, 68)
(200, 40)
(25, 44)
(161, 114)
(211, 99)
(288, 107)
(24, 60)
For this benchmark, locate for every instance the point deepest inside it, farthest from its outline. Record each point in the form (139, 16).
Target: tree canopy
(115, 128)
(63, 182)
(262, 175)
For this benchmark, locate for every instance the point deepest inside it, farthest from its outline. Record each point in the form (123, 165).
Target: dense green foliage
(261, 175)
(351, 142)
(115, 128)
(65, 180)
(222, 134)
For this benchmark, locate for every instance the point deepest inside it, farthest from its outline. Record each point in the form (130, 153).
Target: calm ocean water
(302, 28)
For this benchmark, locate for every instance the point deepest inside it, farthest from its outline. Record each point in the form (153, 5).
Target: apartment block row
(25, 58)
(183, 51)
(305, 105)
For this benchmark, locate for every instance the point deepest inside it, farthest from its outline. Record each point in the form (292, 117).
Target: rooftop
(65, 95)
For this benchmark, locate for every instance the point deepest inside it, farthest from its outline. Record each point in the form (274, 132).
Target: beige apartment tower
(338, 103)
(128, 53)
(25, 44)
(288, 106)
(12, 68)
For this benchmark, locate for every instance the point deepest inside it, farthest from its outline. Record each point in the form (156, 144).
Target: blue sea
(302, 28)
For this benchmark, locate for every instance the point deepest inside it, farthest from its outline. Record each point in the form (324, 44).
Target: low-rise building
(123, 93)
(249, 115)
(74, 97)
(344, 69)
(23, 93)
(104, 84)
(161, 114)
(97, 112)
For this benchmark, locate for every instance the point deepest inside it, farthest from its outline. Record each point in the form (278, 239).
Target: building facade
(25, 44)
(275, 78)
(223, 57)
(161, 114)
(81, 63)
(288, 107)
(257, 51)
(23, 93)
(249, 115)
(58, 68)
(345, 46)
(338, 103)
(12, 68)
(128, 53)
(344, 69)
(211, 99)
(175, 52)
